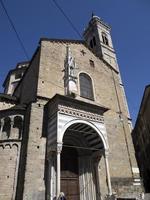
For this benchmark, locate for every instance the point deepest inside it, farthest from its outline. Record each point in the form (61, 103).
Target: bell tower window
(86, 87)
(93, 42)
(105, 39)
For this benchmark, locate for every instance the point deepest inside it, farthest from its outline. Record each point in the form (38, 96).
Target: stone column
(21, 127)
(2, 125)
(11, 126)
(51, 179)
(107, 173)
(59, 149)
(97, 174)
(48, 184)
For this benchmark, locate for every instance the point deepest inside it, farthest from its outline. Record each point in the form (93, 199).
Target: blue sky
(129, 19)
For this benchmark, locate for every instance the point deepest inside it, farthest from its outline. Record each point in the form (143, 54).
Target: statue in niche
(70, 79)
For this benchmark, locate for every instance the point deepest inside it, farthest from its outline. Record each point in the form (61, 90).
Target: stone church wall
(10, 143)
(34, 184)
(50, 72)
(8, 170)
(28, 86)
(108, 92)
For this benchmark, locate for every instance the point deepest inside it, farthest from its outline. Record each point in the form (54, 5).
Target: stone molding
(9, 145)
(80, 114)
(55, 148)
(59, 147)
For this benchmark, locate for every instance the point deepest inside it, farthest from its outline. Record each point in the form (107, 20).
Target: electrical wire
(67, 18)
(13, 27)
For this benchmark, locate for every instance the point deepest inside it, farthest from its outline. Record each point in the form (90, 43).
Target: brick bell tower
(98, 38)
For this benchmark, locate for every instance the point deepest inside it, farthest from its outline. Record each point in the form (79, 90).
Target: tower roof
(95, 20)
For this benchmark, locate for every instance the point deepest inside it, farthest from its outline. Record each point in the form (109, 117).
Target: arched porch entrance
(74, 170)
(81, 152)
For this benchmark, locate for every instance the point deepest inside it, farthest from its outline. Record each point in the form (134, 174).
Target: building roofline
(36, 51)
(17, 109)
(10, 72)
(55, 40)
(16, 69)
(7, 97)
(22, 63)
(147, 87)
(62, 40)
(77, 42)
(95, 20)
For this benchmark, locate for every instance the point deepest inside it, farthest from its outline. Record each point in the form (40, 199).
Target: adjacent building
(65, 124)
(141, 139)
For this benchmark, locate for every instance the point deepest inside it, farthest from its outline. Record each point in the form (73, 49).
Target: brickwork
(51, 82)
(34, 187)
(122, 158)
(141, 139)
(8, 170)
(26, 90)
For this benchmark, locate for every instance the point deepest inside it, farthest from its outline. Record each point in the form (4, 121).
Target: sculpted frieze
(80, 114)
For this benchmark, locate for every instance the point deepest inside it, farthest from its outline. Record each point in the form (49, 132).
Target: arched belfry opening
(76, 143)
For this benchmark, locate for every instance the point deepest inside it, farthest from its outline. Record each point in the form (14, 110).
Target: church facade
(65, 125)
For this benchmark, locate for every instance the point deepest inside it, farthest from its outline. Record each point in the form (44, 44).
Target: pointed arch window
(105, 39)
(86, 86)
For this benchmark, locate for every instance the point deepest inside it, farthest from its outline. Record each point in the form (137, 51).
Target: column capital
(2, 124)
(2, 121)
(106, 153)
(11, 120)
(59, 147)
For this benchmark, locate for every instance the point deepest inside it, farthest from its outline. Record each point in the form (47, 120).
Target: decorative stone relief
(80, 113)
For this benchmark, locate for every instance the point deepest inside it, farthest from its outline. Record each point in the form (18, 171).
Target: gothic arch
(7, 146)
(15, 145)
(2, 146)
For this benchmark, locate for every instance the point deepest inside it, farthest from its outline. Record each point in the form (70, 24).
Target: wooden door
(69, 173)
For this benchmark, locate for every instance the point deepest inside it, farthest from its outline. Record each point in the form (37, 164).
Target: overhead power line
(13, 26)
(67, 18)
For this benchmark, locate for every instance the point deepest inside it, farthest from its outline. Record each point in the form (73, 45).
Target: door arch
(78, 178)
(90, 143)
(74, 122)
